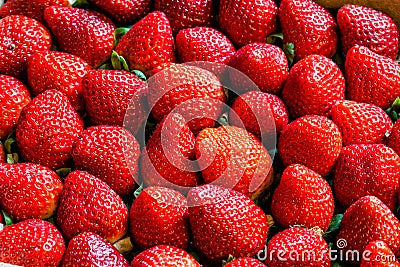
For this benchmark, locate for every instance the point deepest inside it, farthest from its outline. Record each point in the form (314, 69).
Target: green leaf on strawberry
(394, 110)
(139, 74)
(118, 62)
(118, 33)
(334, 225)
(7, 219)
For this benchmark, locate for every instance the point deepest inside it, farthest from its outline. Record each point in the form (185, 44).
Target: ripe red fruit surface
(31, 243)
(2, 154)
(245, 262)
(394, 138)
(379, 255)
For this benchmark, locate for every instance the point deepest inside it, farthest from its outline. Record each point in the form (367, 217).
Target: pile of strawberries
(115, 154)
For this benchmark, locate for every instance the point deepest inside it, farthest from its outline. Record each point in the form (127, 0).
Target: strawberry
(2, 155)
(225, 222)
(245, 262)
(83, 33)
(148, 44)
(88, 204)
(14, 96)
(380, 255)
(394, 138)
(57, 70)
(371, 78)
(247, 21)
(159, 216)
(367, 169)
(234, 158)
(300, 247)
(90, 249)
(29, 191)
(257, 111)
(166, 256)
(203, 44)
(31, 243)
(109, 93)
(302, 197)
(166, 160)
(309, 26)
(361, 123)
(364, 26)
(47, 129)
(366, 220)
(20, 38)
(111, 153)
(265, 64)
(124, 12)
(314, 84)
(33, 8)
(313, 141)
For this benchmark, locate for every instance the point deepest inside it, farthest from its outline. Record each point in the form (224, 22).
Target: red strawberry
(2, 155)
(124, 12)
(20, 38)
(203, 44)
(361, 123)
(360, 25)
(109, 93)
(371, 78)
(247, 21)
(88, 204)
(29, 191)
(313, 141)
(394, 138)
(31, 243)
(90, 249)
(300, 247)
(148, 44)
(159, 216)
(166, 160)
(265, 64)
(309, 26)
(314, 84)
(257, 110)
(166, 256)
(57, 70)
(234, 158)
(371, 169)
(225, 222)
(83, 33)
(47, 128)
(33, 8)
(366, 220)
(302, 197)
(111, 153)
(14, 95)
(245, 262)
(379, 255)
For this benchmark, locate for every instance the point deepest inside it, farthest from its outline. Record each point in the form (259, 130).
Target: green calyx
(394, 110)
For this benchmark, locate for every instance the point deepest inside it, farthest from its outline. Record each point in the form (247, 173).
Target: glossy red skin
(109, 93)
(368, 27)
(164, 255)
(14, 96)
(313, 141)
(186, 13)
(302, 197)
(29, 191)
(90, 249)
(254, 110)
(303, 241)
(380, 256)
(148, 44)
(314, 84)
(225, 222)
(33, 8)
(309, 26)
(372, 169)
(31, 243)
(394, 138)
(203, 44)
(57, 70)
(159, 216)
(83, 33)
(110, 153)
(2, 154)
(124, 12)
(366, 220)
(20, 37)
(371, 78)
(88, 204)
(47, 128)
(247, 21)
(245, 262)
(361, 123)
